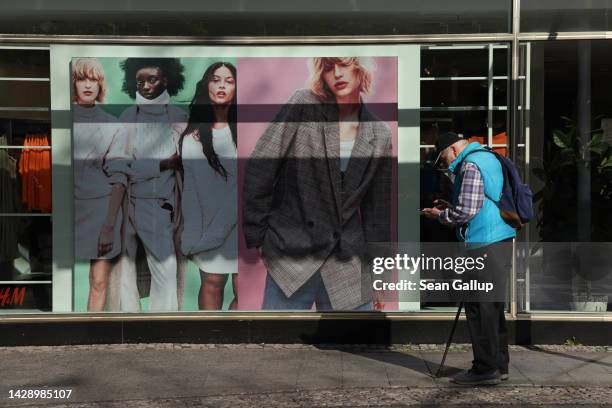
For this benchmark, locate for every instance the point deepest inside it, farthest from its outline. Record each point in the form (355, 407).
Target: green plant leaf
(560, 139)
(599, 149)
(596, 139)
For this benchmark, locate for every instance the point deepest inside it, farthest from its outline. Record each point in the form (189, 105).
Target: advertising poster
(252, 183)
(292, 181)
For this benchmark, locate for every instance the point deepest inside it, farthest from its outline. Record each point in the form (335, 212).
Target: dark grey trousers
(486, 320)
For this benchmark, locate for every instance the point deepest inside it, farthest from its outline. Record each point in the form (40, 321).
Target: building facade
(527, 79)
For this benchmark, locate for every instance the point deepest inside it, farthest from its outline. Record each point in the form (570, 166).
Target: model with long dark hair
(208, 149)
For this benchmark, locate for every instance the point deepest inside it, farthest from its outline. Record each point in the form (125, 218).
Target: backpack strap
(484, 149)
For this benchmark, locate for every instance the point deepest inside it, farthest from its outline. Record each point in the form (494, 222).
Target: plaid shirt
(470, 200)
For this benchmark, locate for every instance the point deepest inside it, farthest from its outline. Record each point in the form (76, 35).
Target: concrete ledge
(300, 331)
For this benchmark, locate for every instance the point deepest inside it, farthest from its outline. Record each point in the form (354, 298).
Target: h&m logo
(11, 296)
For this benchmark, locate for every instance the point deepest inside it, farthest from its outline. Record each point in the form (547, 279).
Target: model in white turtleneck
(152, 130)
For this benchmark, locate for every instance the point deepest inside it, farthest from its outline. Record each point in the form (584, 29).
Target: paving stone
(301, 376)
(543, 397)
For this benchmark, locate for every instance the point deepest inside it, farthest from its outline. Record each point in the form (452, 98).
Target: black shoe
(470, 377)
(504, 374)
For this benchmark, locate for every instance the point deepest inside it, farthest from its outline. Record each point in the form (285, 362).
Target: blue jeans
(312, 292)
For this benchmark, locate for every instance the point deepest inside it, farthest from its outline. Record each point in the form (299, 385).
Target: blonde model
(97, 198)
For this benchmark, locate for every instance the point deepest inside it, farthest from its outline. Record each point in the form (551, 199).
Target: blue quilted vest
(487, 226)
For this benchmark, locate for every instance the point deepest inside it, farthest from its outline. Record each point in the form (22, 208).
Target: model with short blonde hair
(320, 65)
(317, 192)
(89, 68)
(96, 138)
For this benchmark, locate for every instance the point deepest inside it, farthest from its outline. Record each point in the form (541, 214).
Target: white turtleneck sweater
(96, 136)
(153, 128)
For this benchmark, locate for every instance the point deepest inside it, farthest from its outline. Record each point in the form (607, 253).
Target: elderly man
(477, 180)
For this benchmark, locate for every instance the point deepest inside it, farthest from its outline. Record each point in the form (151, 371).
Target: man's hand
(432, 213)
(441, 204)
(171, 163)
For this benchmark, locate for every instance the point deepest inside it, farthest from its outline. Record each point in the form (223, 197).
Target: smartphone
(439, 201)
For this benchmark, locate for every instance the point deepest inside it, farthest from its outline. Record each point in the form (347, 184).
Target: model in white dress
(209, 198)
(209, 204)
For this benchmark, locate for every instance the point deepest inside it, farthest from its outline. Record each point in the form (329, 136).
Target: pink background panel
(273, 81)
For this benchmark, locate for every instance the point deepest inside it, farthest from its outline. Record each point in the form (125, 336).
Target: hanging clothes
(9, 203)
(35, 171)
(498, 139)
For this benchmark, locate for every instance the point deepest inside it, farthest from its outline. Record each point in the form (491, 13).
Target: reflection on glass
(25, 262)
(570, 276)
(455, 87)
(277, 18)
(25, 248)
(571, 176)
(565, 15)
(24, 94)
(24, 63)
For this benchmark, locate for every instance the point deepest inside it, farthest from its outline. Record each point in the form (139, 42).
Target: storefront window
(263, 18)
(554, 16)
(564, 150)
(25, 166)
(567, 136)
(167, 206)
(463, 90)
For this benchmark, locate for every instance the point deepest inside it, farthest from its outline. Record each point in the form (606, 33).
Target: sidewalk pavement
(279, 376)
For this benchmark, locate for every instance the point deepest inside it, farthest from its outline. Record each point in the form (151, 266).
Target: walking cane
(450, 340)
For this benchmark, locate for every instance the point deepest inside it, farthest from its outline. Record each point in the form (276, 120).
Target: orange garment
(500, 138)
(35, 171)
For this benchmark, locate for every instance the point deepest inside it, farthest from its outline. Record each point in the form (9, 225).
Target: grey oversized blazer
(304, 214)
